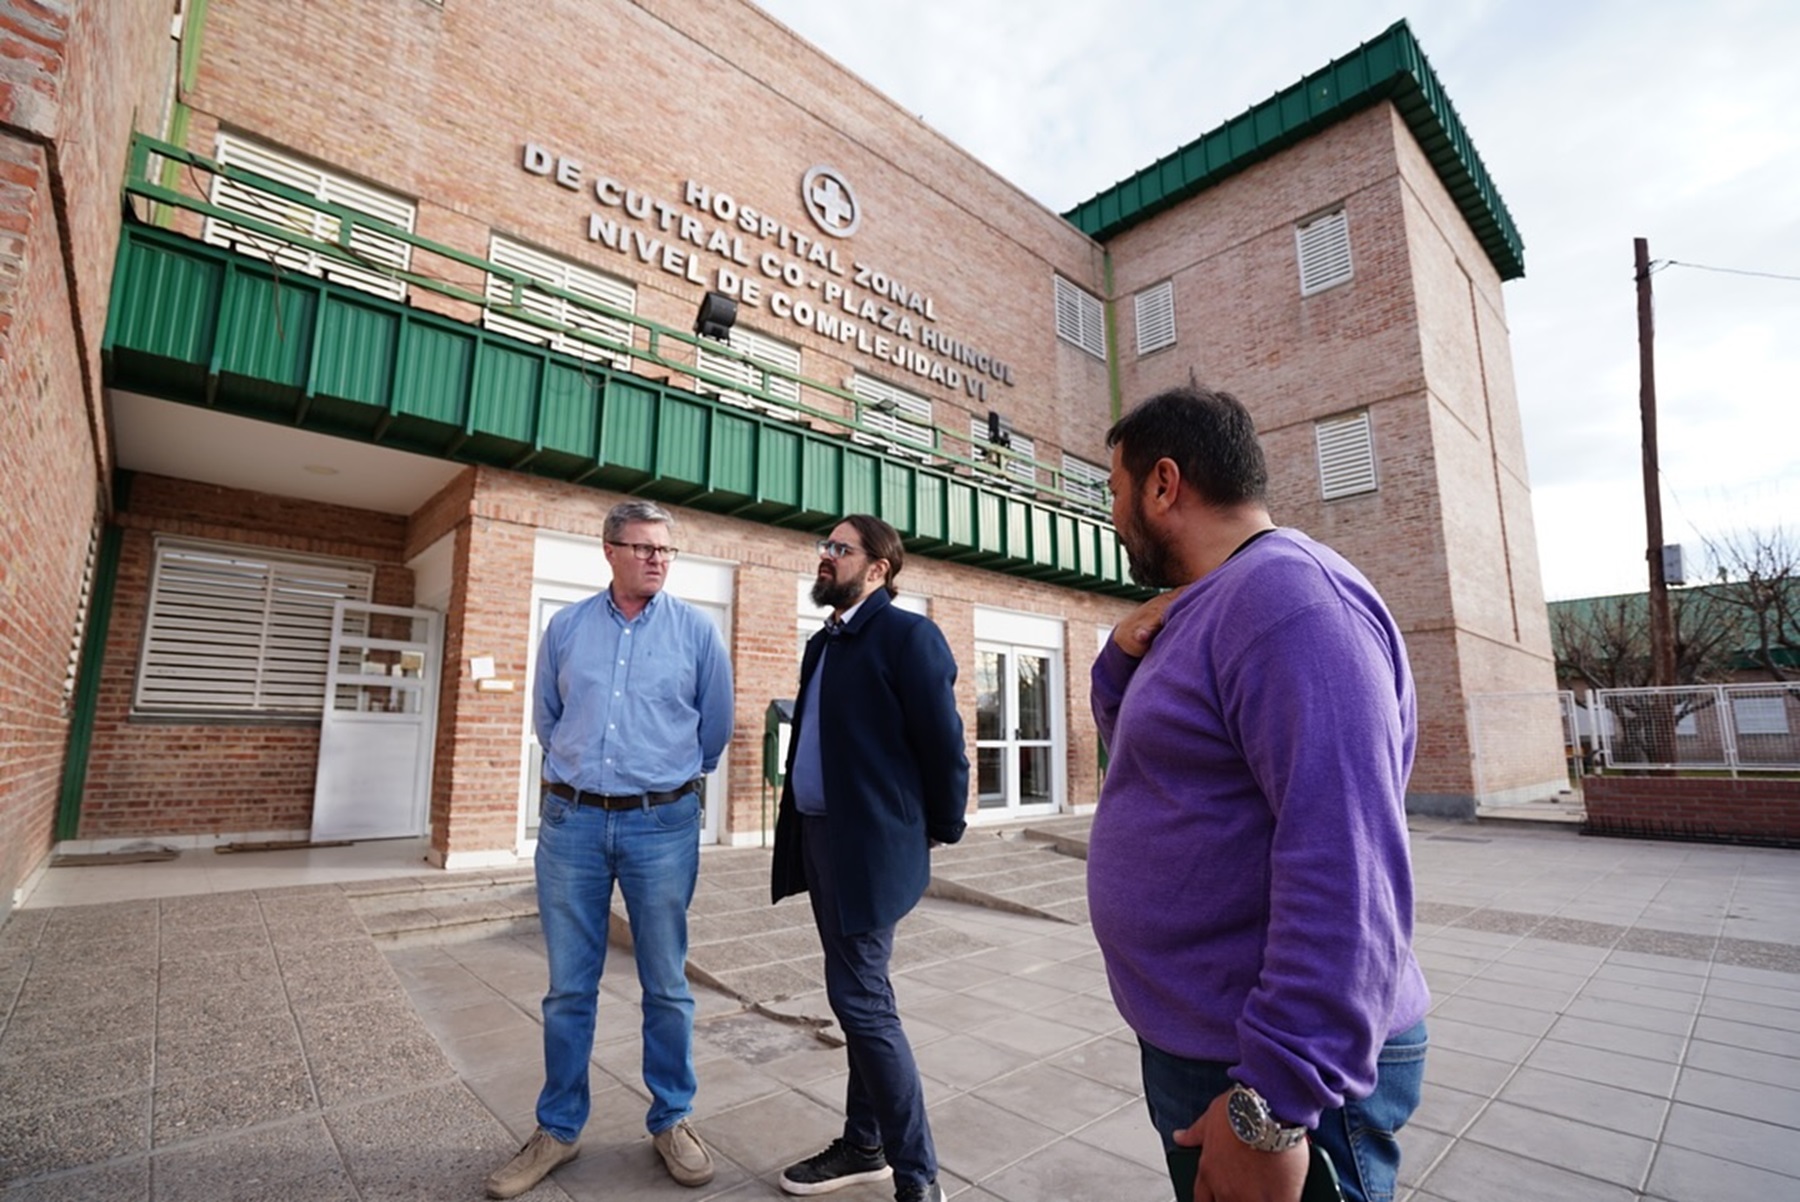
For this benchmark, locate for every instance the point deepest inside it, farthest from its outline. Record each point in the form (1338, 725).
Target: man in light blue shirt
(633, 706)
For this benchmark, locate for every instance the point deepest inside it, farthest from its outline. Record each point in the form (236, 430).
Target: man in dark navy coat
(877, 775)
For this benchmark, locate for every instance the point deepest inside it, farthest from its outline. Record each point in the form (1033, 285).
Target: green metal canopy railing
(204, 325)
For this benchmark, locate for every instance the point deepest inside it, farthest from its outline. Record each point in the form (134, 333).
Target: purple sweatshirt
(1248, 871)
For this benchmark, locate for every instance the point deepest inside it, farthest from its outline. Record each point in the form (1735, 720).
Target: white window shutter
(902, 417)
(1324, 251)
(374, 248)
(570, 277)
(233, 631)
(1155, 310)
(1346, 456)
(761, 349)
(1023, 470)
(1083, 480)
(1080, 318)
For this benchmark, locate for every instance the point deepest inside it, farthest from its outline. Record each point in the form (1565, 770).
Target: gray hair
(627, 512)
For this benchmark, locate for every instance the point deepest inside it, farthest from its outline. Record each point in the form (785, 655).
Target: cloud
(1600, 121)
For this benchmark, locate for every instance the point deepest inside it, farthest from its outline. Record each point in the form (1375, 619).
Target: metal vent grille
(377, 251)
(900, 416)
(231, 630)
(761, 349)
(1083, 480)
(1080, 319)
(559, 273)
(1346, 456)
(1324, 244)
(1155, 309)
(1022, 469)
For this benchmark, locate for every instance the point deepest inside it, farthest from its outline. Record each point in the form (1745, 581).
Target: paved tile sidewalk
(1613, 1020)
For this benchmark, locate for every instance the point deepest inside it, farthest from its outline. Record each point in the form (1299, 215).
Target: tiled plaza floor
(1613, 1020)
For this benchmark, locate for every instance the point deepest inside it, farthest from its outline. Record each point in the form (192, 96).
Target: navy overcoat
(896, 773)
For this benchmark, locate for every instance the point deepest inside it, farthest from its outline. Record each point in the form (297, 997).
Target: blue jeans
(654, 854)
(884, 1102)
(1359, 1135)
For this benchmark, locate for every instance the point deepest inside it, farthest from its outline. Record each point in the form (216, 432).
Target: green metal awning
(203, 325)
(1391, 67)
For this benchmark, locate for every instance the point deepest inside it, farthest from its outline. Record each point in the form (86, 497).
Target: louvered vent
(1084, 481)
(571, 278)
(1155, 309)
(1324, 244)
(761, 349)
(1346, 456)
(374, 250)
(231, 630)
(1080, 319)
(901, 418)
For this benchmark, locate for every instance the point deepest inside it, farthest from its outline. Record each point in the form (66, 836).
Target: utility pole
(1662, 641)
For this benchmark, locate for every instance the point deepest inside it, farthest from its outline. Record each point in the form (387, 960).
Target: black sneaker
(918, 1191)
(837, 1166)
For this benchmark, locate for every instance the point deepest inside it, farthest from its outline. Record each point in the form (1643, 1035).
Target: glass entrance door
(546, 600)
(1014, 735)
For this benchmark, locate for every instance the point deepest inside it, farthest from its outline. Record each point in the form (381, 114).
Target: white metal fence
(1738, 727)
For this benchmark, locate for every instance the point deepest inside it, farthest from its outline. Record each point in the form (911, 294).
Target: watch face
(1249, 1117)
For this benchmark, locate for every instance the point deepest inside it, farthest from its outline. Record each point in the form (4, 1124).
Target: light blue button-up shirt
(633, 706)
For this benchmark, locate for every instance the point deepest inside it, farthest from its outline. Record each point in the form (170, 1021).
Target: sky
(1599, 121)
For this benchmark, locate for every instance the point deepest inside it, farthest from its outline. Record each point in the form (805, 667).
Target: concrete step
(1006, 870)
(447, 908)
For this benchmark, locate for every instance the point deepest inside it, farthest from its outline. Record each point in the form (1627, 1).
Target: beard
(1147, 559)
(831, 593)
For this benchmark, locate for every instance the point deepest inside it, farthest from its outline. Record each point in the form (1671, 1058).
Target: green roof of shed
(1391, 67)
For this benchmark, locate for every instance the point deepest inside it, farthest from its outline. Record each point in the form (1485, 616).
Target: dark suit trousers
(884, 1104)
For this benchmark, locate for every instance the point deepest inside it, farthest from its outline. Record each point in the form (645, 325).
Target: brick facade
(71, 78)
(681, 104)
(211, 780)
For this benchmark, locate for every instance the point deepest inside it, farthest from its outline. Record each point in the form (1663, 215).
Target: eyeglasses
(832, 549)
(649, 550)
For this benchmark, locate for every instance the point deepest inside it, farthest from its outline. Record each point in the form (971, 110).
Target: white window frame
(1024, 470)
(762, 349)
(1154, 309)
(1085, 481)
(1322, 246)
(903, 423)
(1346, 451)
(569, 277)
(233, 630)
(1080, 318)
(382, 252)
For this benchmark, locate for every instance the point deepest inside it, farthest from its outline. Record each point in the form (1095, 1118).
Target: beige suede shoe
(541, 1153)
(684, 1155)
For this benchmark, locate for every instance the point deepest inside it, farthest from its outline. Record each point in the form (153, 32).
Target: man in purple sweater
(1248, 874)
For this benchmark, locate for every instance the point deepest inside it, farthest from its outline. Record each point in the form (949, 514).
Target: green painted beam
(203, 325)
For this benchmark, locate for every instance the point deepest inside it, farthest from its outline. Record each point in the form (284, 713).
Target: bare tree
(1604, 642)
(1759, 582)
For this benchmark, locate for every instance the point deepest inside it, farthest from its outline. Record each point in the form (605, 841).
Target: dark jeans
(1359, 1135)
(884, 1103)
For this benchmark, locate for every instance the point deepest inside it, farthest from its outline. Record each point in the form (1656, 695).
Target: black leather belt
(620, 801)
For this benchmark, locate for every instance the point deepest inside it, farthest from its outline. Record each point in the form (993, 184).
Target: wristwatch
(1252, 1122)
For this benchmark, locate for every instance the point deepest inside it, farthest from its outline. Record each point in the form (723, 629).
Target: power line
(1767, 275)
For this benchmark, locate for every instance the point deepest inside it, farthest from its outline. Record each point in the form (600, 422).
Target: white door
(568, 569)
(1015, 745)
(379, 724)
